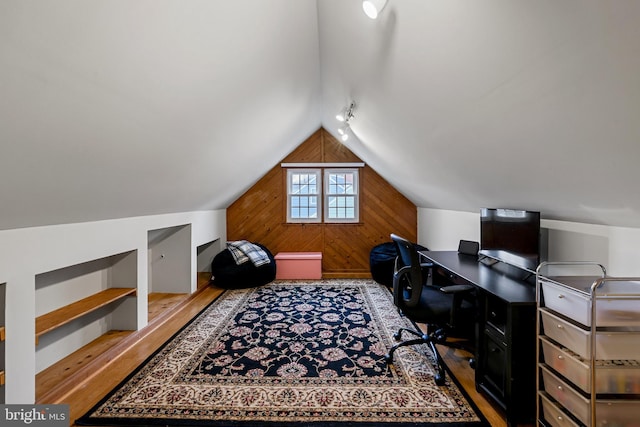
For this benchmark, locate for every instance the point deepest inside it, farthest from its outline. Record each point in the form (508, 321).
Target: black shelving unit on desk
(505, 329)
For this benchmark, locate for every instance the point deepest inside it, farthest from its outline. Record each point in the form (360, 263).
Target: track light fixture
(345, 115)
(372, 8)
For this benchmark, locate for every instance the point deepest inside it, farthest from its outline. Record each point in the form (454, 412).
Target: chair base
(423, 338)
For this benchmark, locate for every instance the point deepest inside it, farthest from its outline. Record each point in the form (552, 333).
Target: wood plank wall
(259, 215)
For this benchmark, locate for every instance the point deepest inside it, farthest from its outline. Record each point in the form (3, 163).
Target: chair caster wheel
(397, 336)
(472, 363)
(388, 358)
(439, 379)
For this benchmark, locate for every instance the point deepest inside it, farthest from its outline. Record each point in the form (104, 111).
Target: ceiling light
(346, 113)
(343, 133)
(372, 8)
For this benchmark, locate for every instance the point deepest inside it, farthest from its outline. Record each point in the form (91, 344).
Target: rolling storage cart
(588, 351)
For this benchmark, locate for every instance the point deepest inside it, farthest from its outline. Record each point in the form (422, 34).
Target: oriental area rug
(291, 353)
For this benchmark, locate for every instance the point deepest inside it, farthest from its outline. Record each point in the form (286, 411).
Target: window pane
(341, 207)
(304, 207)
(341, 183)
(303, 183)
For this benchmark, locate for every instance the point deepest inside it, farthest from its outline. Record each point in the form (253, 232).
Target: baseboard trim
(346, 275)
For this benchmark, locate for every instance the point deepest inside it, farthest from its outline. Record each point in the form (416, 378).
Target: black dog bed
(227, 274)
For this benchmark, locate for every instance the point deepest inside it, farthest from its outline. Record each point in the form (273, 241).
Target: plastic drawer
(620, 412)
(614, 377)
(609, 345)
(577, 305)
(554, 415)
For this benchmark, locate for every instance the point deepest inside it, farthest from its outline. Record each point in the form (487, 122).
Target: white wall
(27, 252)
(614, 247)
(169, 264)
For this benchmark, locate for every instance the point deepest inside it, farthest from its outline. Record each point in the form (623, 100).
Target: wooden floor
(458, 362)
(118, 354)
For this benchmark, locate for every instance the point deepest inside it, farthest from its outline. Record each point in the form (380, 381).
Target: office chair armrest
(454, 289)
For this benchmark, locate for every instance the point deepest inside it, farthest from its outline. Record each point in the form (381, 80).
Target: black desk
(505, 331)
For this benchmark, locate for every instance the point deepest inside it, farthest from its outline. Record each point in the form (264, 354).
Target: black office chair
(443, 309)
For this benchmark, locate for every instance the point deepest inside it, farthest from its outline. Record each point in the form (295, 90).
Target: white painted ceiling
(119, 108)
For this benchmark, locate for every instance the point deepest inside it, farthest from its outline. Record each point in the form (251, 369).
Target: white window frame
(291, 195)
(353, 195)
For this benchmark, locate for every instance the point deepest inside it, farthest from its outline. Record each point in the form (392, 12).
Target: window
(303, 195)
(341, 195)
(309, 185)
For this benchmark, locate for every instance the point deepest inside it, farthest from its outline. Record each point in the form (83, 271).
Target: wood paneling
(259, 215)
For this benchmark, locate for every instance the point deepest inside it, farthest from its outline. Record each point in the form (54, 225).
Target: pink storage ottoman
(298, 265)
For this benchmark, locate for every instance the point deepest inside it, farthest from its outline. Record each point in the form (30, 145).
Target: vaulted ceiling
(119, 108)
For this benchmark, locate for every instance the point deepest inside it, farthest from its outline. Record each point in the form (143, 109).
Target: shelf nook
(77, 304)
(205, 254)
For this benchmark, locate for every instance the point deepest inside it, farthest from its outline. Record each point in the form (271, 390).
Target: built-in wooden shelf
(62, 316)
(54, 384)
(1, 333)
(80, 359)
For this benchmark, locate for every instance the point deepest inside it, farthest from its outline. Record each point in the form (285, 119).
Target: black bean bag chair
(381, 261)
(229, 275)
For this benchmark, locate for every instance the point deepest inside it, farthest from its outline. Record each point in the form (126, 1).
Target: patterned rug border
(136, 422)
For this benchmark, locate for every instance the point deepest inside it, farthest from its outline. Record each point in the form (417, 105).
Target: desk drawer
(496, 314)
(445, 277)
(494, 363)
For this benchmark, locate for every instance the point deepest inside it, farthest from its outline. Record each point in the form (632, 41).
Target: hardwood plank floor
(159, 303)
(458, 362)
(90, 389)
